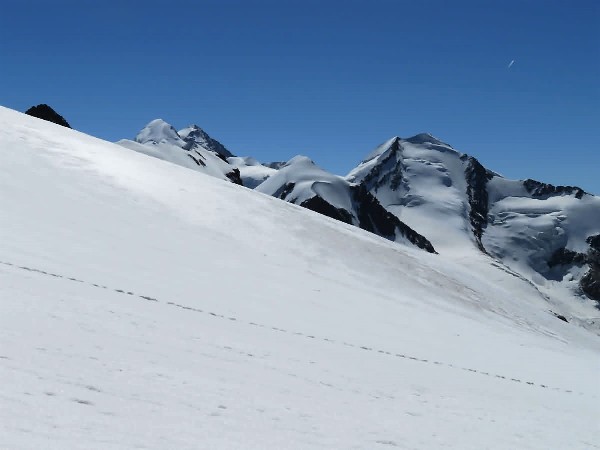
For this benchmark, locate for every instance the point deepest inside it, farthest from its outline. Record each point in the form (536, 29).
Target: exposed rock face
(590, 283)
(284, 191)
(375, 218)
(477, 177)
(234, 177)
(45, 112)
(388, 170)
(566, 257)
(194, 136)
(594, 242)
(317, 204)
(371, 217)
(539, 189)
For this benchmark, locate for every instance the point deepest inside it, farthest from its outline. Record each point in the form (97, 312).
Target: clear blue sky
(329, 79)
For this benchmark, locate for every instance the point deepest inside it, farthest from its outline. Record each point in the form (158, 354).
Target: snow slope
(144, 306)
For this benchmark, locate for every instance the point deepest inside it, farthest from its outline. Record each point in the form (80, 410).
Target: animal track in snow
(281, 330)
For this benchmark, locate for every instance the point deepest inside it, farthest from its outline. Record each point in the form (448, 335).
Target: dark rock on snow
(590, 283)
(317, 204)
(375, 218)
(45, 112)
(235, 177)
(477, 178)
(539, 189)
(566, 257)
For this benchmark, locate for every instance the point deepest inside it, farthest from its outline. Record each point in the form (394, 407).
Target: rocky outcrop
(389, 168)
(566, 257)
(234, 177)
(590, 283)
(45, 112)
(375, 218)
(317, 204)
(371, 216)
(284, 191)
(477, 178)
(194, 135)
(544, 190)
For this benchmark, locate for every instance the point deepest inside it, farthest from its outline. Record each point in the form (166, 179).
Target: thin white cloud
(511, 63)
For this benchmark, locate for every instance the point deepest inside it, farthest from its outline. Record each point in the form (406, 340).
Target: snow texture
(145, 306)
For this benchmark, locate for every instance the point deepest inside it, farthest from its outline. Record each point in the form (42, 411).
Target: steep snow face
(423, 185)
(160, 140)
(137, 295)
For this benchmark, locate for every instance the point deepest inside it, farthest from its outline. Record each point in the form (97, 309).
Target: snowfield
(146, 305)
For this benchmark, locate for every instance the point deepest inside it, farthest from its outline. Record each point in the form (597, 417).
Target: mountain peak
(157, 131)
(425, 138)
(300, 160)
(45, 112)
(194, 135)
(392, 143)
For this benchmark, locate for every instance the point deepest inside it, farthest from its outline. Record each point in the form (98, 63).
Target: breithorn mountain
(420, 191)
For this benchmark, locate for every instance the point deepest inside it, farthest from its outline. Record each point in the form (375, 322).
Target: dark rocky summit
(45, 112)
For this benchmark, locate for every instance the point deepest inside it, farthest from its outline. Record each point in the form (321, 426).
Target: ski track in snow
(295, 333)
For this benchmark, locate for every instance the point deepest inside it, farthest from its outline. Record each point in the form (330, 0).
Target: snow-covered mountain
(421, 191)
(145, 306)
(542, 232)
(191, 148)
(302, 182)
